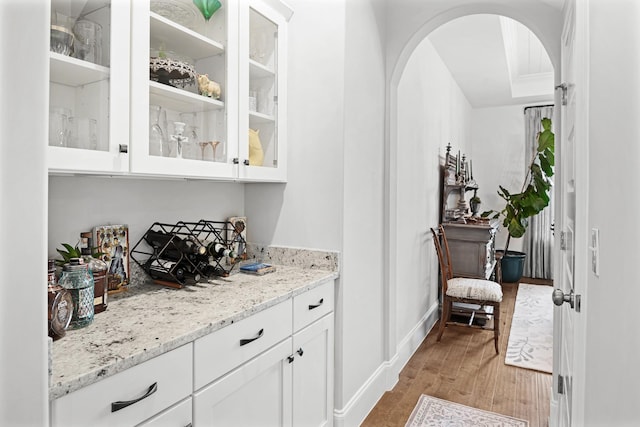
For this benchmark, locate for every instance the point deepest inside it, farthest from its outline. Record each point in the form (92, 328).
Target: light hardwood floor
(464, 368)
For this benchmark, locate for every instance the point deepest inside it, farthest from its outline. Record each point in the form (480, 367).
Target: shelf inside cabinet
(257, 70)
(255, 118)
(175, 37)
(75, 72)
(181, 100)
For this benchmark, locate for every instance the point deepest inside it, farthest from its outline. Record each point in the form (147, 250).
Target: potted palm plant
(530, 201)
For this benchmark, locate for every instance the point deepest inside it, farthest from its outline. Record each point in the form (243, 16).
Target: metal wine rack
(160, 251)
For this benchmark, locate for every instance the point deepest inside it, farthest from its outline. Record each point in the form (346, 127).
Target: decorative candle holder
(179, 138)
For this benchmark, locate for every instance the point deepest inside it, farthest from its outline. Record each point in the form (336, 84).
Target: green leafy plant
(534, 196)
(73, 252)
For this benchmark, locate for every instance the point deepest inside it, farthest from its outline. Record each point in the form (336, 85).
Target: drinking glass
(59, 126)
(189, 147)
(253, 100)
(156, 134)
(61, 35)
(84, 133)
(88, 41)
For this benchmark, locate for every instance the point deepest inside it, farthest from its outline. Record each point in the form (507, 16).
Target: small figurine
(208, 87)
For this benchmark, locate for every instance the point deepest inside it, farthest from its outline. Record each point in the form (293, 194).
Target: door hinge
(560, 384)
(563, 86)
(563, 240)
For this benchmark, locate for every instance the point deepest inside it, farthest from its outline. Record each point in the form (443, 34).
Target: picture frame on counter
(113, 242)
(237, 237)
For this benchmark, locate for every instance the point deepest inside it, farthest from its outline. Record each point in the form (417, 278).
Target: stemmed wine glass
(214, 145)
(188, 149)
(203, 146)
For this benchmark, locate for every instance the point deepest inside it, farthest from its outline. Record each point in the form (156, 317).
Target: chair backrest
(444, 256)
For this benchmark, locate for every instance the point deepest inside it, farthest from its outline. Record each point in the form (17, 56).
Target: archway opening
(430, 108)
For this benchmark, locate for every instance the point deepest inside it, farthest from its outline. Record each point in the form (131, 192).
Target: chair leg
(444, 318)
(496, 325)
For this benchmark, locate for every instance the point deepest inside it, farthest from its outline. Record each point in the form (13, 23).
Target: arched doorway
(415, 25)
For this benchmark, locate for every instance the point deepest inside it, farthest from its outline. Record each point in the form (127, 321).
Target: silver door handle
(560, 298)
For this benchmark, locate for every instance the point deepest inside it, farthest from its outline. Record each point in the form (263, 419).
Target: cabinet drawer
(223, 350)
(176, 416)
(92, 406)
(312, 305)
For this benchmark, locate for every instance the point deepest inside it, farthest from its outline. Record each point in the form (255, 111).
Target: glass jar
(98, 269)
(78, 280)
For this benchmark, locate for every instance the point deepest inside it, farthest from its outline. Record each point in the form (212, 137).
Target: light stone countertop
(149, 320)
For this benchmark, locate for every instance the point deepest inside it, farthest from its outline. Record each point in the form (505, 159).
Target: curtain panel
(538, 239)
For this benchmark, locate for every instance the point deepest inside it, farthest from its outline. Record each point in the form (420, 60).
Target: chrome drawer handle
(311, 307)
(116, 406)
(246, 341)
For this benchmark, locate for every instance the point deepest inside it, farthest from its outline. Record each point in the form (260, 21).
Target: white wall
(334, 195)
(24, 393)
(612, 340)
(432, 111)
(307, 211)
(77, 204)
(498, 153)
(361, 319)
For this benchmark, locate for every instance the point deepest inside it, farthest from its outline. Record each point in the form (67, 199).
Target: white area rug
(434, 412)
(531, 337)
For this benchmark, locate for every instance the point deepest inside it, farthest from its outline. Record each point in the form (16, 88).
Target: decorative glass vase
(78, 280)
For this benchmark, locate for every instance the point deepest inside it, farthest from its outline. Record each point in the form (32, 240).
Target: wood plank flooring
(464, 368)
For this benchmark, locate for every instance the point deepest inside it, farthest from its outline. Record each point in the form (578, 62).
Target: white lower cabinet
(271, 369)
(176, 416)
(313, 374)
(258, 393)
(129, 397)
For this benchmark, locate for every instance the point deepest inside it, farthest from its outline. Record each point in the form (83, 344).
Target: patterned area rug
(434, 412)
(531, 337)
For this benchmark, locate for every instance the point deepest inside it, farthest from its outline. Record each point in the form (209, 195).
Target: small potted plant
(530, 201)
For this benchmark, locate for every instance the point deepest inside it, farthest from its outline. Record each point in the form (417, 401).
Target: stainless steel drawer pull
(246, 341)
(311, 307)
(116, 406)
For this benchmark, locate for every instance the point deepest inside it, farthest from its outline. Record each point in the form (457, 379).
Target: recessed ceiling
(495, 60)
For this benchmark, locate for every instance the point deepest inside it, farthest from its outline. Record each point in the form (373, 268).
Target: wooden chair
(483, 293)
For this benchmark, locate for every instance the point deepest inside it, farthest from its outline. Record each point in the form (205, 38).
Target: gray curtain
(538, 240)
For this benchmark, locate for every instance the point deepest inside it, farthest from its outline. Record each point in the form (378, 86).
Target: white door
(571, 216)
(256, 394)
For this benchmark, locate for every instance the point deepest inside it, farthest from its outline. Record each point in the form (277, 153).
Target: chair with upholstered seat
(478, 292)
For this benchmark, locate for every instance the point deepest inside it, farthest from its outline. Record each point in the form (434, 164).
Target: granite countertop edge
(119, 364)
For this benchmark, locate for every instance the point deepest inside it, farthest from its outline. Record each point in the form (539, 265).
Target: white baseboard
(386, 376)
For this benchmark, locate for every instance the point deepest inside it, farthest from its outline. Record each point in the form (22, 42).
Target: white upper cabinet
(182, 126)
(262, 90)
(168, 93)
(172, 45)
(88, 90)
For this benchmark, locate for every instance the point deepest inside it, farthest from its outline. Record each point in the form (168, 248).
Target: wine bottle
(218, 250)
(171, 246)
(181, 271)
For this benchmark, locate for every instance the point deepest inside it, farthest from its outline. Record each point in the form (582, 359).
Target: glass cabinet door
(183, 113)
(88, 86)
(262, 92)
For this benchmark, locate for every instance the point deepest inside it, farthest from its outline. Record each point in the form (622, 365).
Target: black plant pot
(512, 266)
